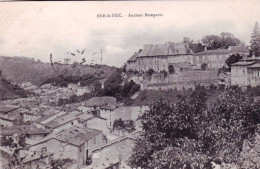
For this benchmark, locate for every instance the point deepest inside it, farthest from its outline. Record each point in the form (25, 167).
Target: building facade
(179, 57)
(246, 72)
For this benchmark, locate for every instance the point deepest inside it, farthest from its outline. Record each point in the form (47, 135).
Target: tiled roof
(167, 49)
(48, 117)
(133, 58)
(8, 108)
(77, 136)
(239, 49)
(34, 130)
(62, 120)
(256, 65)
(242, 63)
(232, 49)
(100, 101)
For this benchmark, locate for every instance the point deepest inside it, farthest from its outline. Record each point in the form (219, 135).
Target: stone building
(160, 57)
(215, 59)
(75, 143)
(246, 72)
(179, 57)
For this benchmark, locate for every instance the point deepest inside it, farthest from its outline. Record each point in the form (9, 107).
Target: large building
(215, 59)
(178, 56)
(160, 57)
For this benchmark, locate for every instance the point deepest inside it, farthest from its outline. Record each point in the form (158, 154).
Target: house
(75, 143)
(29, 116)
(114, 154)
(39, 123)
(32, 160)
(122, 112)
(215, 59)
(75, 118)
(6, 121)
(246, 73)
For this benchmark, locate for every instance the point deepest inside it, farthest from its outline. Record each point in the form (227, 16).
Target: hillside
(10, 91)
(21, 69)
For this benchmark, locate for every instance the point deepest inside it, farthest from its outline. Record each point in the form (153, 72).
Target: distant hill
(22, 69)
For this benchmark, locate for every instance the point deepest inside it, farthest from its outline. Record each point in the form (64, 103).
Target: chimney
(205, 48)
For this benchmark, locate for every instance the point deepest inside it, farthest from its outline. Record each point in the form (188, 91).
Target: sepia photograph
(130, 84)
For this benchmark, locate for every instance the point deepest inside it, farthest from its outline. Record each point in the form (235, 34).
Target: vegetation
(150, 72)
(223, 41)
(10, 91)
(114, 86)
(61, 163)
(127, 125)
(232, 59)
(22, 69)
(255, 41)
(190, 133)
(212, 42)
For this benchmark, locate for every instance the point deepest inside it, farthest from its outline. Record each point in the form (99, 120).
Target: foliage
(250, 154)
(7, 141)
(60, 163)
(255, 41)
(124, 124)
(254, 91)
(232, 59)
(113, 83)
(150, 72)
(223, 41)
(195, 47)
(114, 86)
(189, 134)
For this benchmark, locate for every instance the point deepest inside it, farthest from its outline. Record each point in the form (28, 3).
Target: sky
(38, 29)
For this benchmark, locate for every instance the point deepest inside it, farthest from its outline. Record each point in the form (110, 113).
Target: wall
(239, 76)
(5, 123)
(60, 149)
(97, 123)
(185, 79)
(119, 150)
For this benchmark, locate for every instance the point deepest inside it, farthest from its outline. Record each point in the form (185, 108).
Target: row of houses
(77, 132)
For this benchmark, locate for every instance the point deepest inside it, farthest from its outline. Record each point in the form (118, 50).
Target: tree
(255, 41)
(228, 39)
(211, 42)
(166, 127)
(195, 47)
(113, 83)
(188, 134)
(233, 59)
